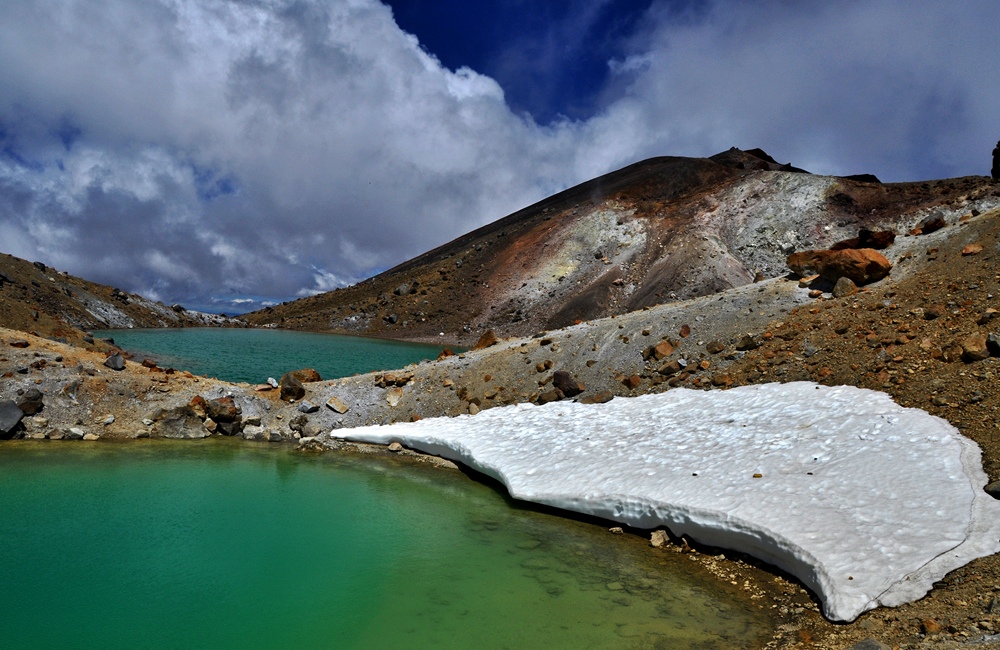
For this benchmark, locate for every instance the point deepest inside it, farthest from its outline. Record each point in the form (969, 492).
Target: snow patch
(867, 502)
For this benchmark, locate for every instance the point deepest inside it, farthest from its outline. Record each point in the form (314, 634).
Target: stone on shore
(180, 422)
(337, 405)
(489, 338)
(291, 388)
(10, 417)
(115, 362)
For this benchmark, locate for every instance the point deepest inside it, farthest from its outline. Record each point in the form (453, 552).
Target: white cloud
(274, 148)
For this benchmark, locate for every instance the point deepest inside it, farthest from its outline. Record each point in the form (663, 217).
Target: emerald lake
(253, 355)
(226, 544)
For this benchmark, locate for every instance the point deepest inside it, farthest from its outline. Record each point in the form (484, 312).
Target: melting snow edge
(865, 501)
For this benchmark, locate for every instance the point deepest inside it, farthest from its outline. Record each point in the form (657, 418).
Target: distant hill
(657, 231)
(39, 299)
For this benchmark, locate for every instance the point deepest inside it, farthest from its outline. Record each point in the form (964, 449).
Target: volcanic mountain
(658, 231)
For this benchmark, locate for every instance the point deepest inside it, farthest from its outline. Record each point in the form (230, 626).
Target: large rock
(178, 422)
(305, 375)
(291, 387)
(115, 362)
(10, 417)
(223, 409)
(489, 338)
(862, 265)
(31, 402)
(567, 383)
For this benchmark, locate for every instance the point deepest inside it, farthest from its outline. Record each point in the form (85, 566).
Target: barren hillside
(658, 231)
(40, 299)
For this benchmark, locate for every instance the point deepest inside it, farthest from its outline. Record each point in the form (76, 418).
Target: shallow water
(224, 544)
(253, 355)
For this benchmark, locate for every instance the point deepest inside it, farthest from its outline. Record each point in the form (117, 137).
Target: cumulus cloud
(226, 150)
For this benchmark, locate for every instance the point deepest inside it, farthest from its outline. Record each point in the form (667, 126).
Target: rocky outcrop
(862, 265)
(178, 422)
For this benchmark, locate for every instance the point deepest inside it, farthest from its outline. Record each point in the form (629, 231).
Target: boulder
(222, 409)
(488, 339)
(553, 395)
(662, 350)
(974, 348)
(658, 538)
(10, 417)
(993, 489)
(402, 289)
(115, 361)
(19, 343)
(844, 287)
(178, 422)
(291, 387)
(393, 395)
(569, 385)
(972, 249)
(747, 342)
(31, 402)
(306, 375)
(930, 224)
(861, 265)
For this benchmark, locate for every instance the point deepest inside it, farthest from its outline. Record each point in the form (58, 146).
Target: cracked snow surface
(867, 502)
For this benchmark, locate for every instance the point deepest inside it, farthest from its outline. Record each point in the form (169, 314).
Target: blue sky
(212, 152)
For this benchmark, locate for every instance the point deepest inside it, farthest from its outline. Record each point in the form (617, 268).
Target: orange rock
(861, 265)
(972, 249)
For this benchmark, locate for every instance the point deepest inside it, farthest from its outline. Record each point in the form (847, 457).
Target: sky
(228, 154)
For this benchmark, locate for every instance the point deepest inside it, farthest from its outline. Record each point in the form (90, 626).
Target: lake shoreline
(132, 394)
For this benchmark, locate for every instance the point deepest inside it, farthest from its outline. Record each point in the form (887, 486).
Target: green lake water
(227, 544)
(253, 355)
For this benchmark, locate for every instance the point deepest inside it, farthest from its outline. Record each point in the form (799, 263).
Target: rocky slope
(41, 299)
(658, 231)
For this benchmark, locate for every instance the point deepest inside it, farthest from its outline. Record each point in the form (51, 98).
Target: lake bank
(431, 388)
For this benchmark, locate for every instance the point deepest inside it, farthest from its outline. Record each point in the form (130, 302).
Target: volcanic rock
(223, 409)
(974, 348)
(553, 395)
(307, 407)
(569, 385)
(115, 362)
(489, 338)
(931, 224)
(337, 405)
(305, 375)
(291, 387)
(844, 287)
(862, 266)
(178, 422)
(19, 343)
(10, 417)
(972, 249)
(31, 402)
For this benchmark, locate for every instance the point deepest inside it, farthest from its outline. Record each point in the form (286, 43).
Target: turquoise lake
(226, 544)
(253, 355)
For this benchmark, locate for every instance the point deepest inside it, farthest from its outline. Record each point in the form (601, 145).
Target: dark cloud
(208, 151)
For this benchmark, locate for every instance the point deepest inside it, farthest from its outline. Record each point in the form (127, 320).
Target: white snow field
(867, 502)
